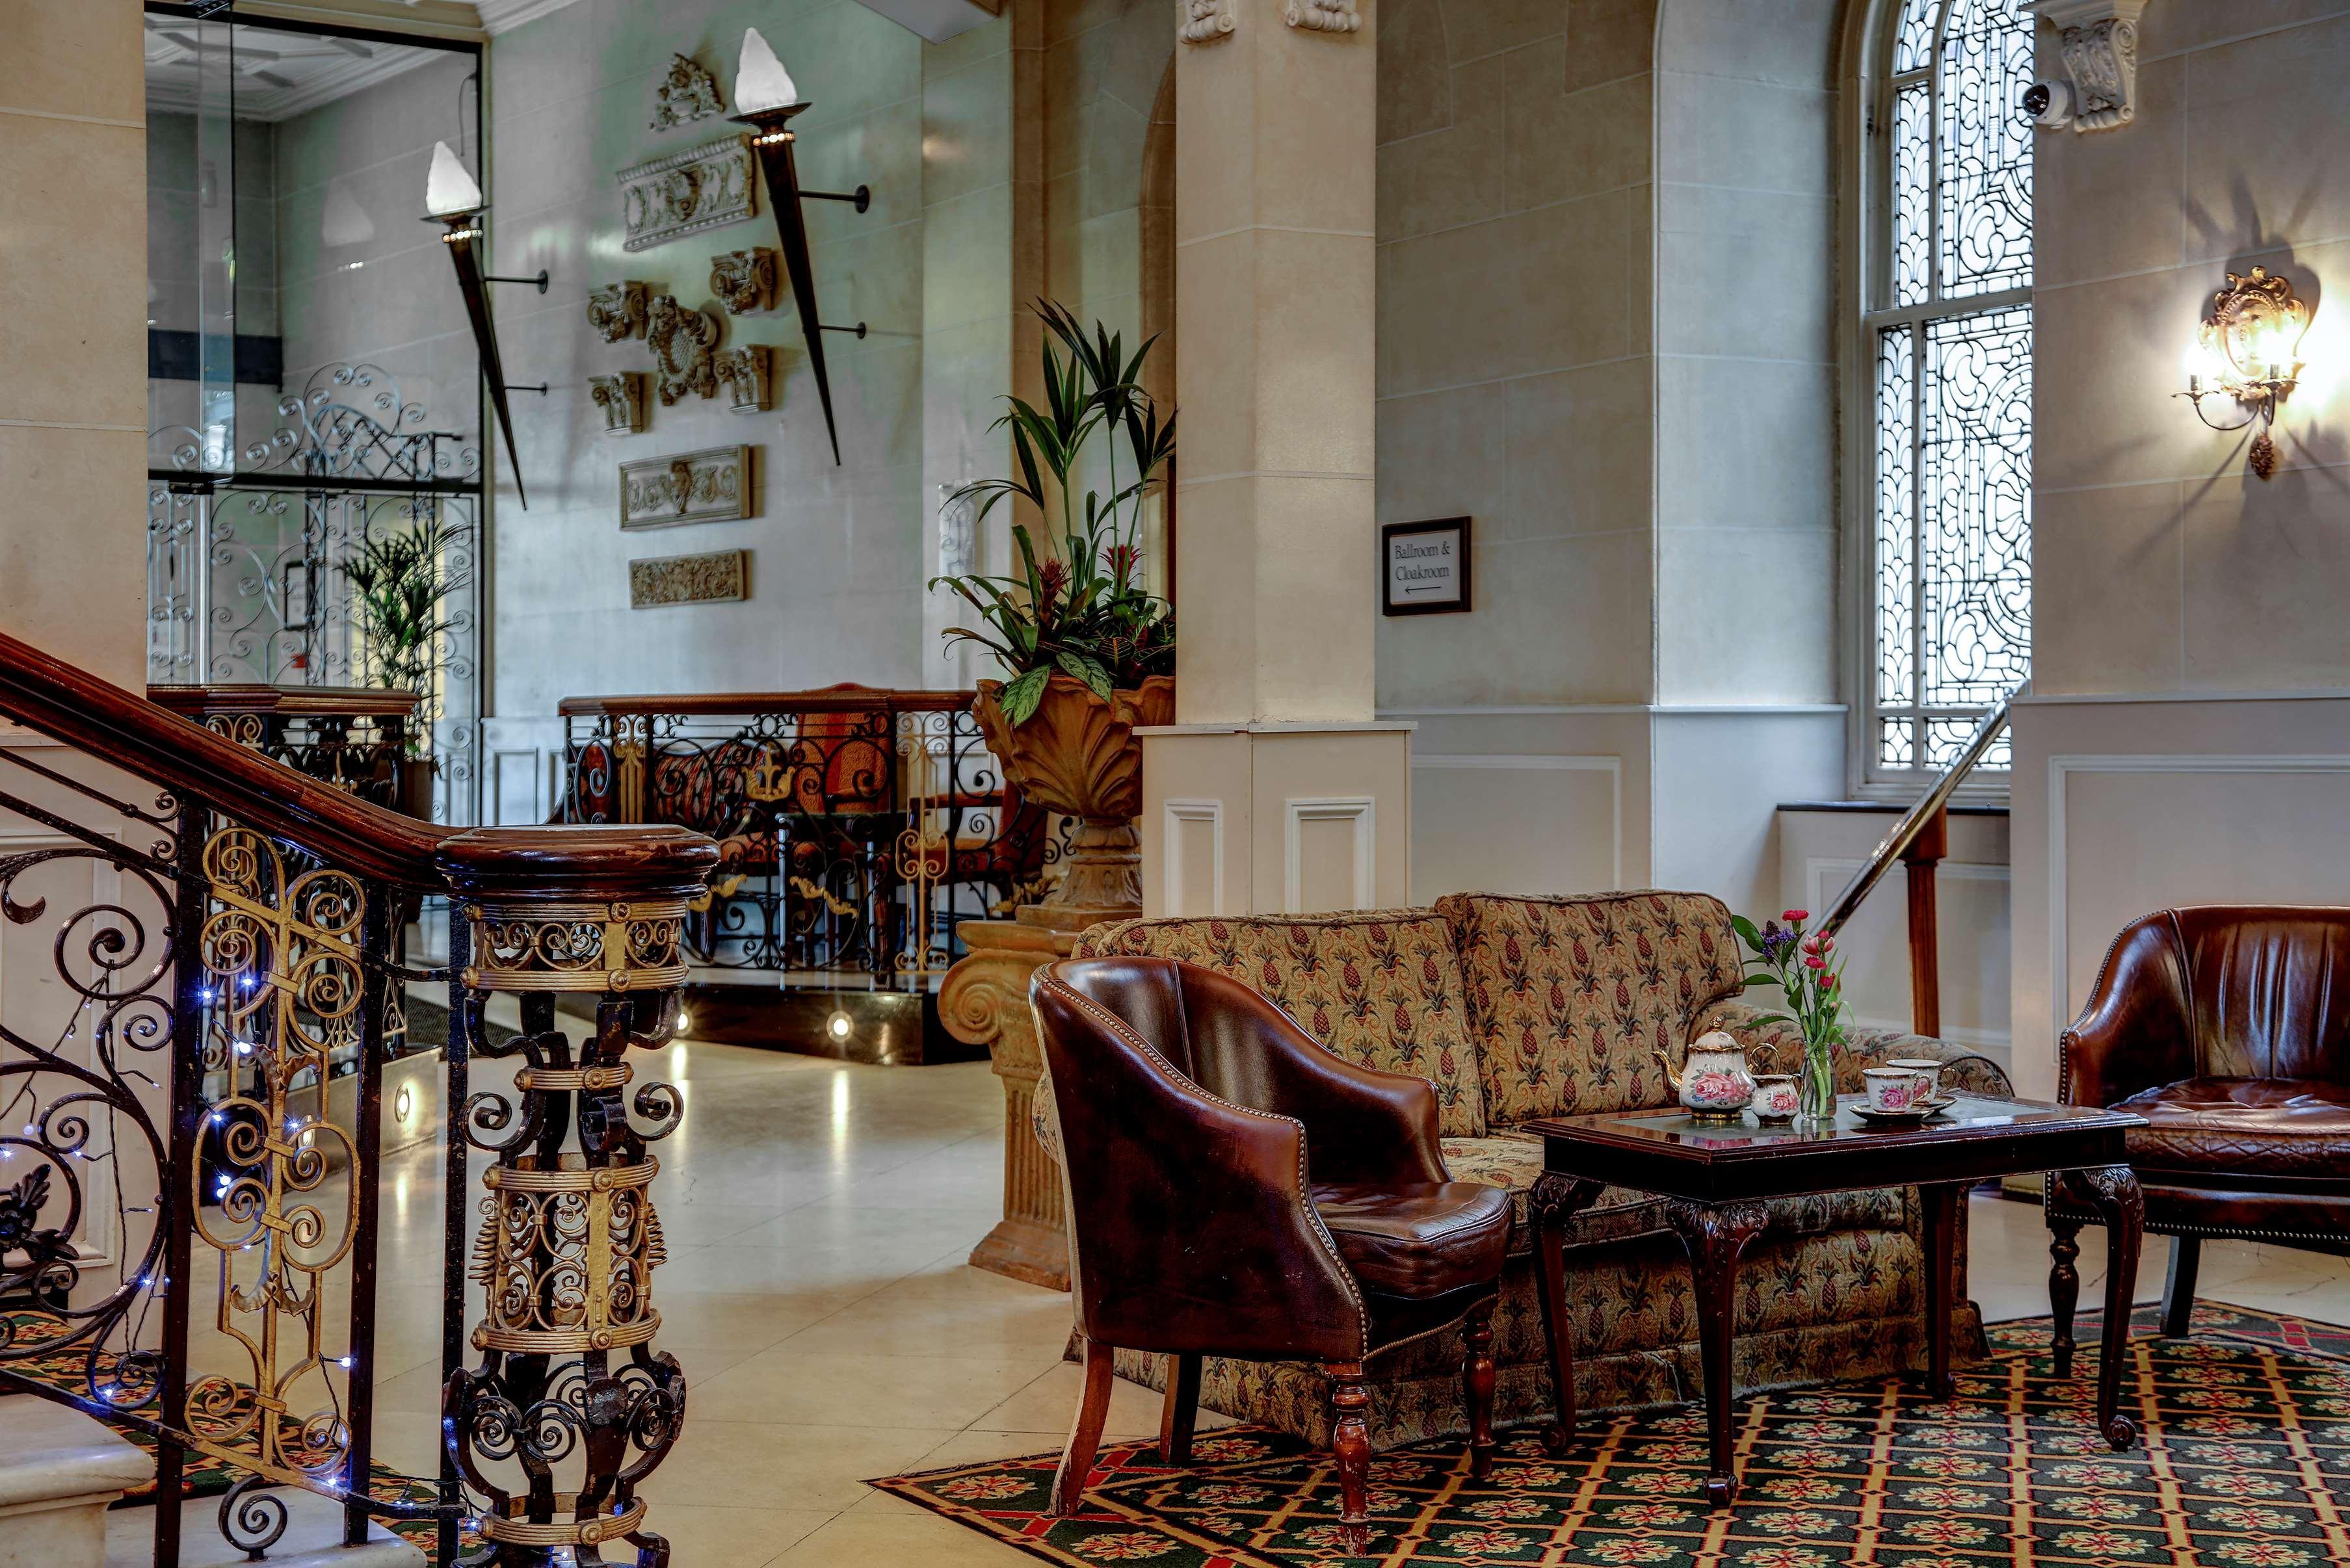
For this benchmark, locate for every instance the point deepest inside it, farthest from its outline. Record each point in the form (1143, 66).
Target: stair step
(60, 1470)
(313, 1538)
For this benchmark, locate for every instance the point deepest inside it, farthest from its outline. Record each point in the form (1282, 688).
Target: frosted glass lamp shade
(448, 189)
(761, 83)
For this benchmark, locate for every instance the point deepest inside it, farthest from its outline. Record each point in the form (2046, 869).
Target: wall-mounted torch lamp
(2249, 351)
(452, 197)
(767, 99)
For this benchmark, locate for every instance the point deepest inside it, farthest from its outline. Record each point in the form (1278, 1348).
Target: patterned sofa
(1522, 1007)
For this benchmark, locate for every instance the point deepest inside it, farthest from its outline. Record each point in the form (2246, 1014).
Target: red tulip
(1794, 914)
(1812, 961)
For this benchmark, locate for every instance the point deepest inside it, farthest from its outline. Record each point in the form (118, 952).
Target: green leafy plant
(1808, 968)
(1081, 610)
(401, 584)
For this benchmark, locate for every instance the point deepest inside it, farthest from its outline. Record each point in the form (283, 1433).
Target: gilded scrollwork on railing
(570, 1238)
(282, 963)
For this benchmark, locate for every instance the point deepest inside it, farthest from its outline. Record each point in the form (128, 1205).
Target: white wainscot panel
(1329, 851)
(2131, 835)
(1192, 834)
(1972, 921)
(1513, 824)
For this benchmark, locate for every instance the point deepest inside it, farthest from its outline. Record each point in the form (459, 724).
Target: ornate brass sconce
(2249, 350)
(452, 197)
(768, 100)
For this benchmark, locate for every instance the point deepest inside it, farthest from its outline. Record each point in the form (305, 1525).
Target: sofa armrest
(1779, 1048)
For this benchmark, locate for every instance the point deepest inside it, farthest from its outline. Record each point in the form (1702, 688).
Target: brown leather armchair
(1236, 1190)
(2228, 1028)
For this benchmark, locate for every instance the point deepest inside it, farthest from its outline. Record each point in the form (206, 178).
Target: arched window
(1946, 301)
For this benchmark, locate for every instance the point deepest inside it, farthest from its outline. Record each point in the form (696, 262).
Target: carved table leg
(2064, 1285)
(1939, 1210)
(2114, 1191)
(1556, 1199)
(1715, 1236)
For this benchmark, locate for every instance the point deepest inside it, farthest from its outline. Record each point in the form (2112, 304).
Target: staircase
(59, 1471)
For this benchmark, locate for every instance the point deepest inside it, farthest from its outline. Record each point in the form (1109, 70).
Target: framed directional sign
(1425, 567)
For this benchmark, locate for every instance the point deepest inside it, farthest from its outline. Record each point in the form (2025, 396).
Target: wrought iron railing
(179, 1194)
(855, 827)
(356, 738)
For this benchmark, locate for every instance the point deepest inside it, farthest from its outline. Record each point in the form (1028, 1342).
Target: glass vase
(1815, 1092)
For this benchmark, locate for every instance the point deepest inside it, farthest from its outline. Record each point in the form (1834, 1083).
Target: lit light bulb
(761, 83)
(448, 189)
(839, 1025)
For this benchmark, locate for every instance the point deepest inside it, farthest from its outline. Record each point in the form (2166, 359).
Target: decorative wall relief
(683, 341)
(701, 188)
(1205, 21)
(744, 281)
(2098, 39)
(722, 577)
(688, 93)
(1324, 15)
(744, 373)
(616, 310)
(622, 399)
(713, 486)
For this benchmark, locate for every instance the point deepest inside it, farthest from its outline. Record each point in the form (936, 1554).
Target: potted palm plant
(1087, 650)
(400, 581)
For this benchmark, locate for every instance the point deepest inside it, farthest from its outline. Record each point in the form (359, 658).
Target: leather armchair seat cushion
(1417, 1242)
(2243, 1126)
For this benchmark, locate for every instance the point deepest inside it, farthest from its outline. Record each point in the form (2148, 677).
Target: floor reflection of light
(399, 1198)
(676, 1061)
(839, 1120)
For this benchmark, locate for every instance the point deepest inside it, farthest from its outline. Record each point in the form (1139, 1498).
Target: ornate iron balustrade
(200, 912)
(855, 827)
(352, 737)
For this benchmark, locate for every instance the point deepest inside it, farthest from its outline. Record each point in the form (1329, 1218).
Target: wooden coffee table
(1716, 1179)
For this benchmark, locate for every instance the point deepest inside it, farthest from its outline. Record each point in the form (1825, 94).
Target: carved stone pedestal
(984, 1002)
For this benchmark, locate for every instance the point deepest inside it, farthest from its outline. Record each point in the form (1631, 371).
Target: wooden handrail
(293, 702)
(1919, 841)
(68, 703)
(824, 699)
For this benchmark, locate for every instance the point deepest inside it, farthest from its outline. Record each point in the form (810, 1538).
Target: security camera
(2050, 104)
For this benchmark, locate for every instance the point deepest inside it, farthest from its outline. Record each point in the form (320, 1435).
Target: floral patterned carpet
(2245, 1464)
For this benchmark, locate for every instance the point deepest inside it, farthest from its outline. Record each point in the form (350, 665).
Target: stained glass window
(1949, 327)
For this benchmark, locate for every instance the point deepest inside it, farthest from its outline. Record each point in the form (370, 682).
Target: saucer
(1909, 1119)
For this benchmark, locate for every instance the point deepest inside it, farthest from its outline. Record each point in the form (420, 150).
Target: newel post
(568, 1388)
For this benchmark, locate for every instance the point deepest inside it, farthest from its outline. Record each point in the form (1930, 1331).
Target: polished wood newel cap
(563, 863)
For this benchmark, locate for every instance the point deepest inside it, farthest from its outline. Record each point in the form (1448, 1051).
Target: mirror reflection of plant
(403, 585)
(1082, 611)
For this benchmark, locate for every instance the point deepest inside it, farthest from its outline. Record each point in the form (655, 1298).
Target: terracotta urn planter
(1078, 755)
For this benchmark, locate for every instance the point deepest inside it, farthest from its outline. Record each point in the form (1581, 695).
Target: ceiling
(277, 75)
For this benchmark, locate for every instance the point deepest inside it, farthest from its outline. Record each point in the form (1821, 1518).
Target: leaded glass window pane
(1950, 325)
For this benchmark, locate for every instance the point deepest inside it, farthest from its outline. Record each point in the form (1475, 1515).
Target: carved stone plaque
(722, 577)
(684, 343)
(687, 92)
(616, 310)
(622, 399)
(701, 188)
(713, 486)
(744, 373)
(744, 281)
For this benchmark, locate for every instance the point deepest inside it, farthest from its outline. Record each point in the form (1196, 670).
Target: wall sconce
(767, 99)
(452, 197)
(2249, 351)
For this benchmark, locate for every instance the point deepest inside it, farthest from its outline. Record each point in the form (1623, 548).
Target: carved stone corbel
(2098, 39)
(744, 373)
(687, 92)
(622, 399)
(744, 281)
(684, 343)
(1322, 16)
(1205, 21)
(616, 310)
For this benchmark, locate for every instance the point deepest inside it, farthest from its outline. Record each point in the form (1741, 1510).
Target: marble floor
(818, 1217)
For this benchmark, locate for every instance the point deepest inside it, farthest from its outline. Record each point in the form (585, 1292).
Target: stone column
(1275, 789)
(984, 1002)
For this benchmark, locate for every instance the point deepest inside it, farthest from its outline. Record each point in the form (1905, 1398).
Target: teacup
(1928, 1071)
(1896, 1091)
(1775, 1097)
